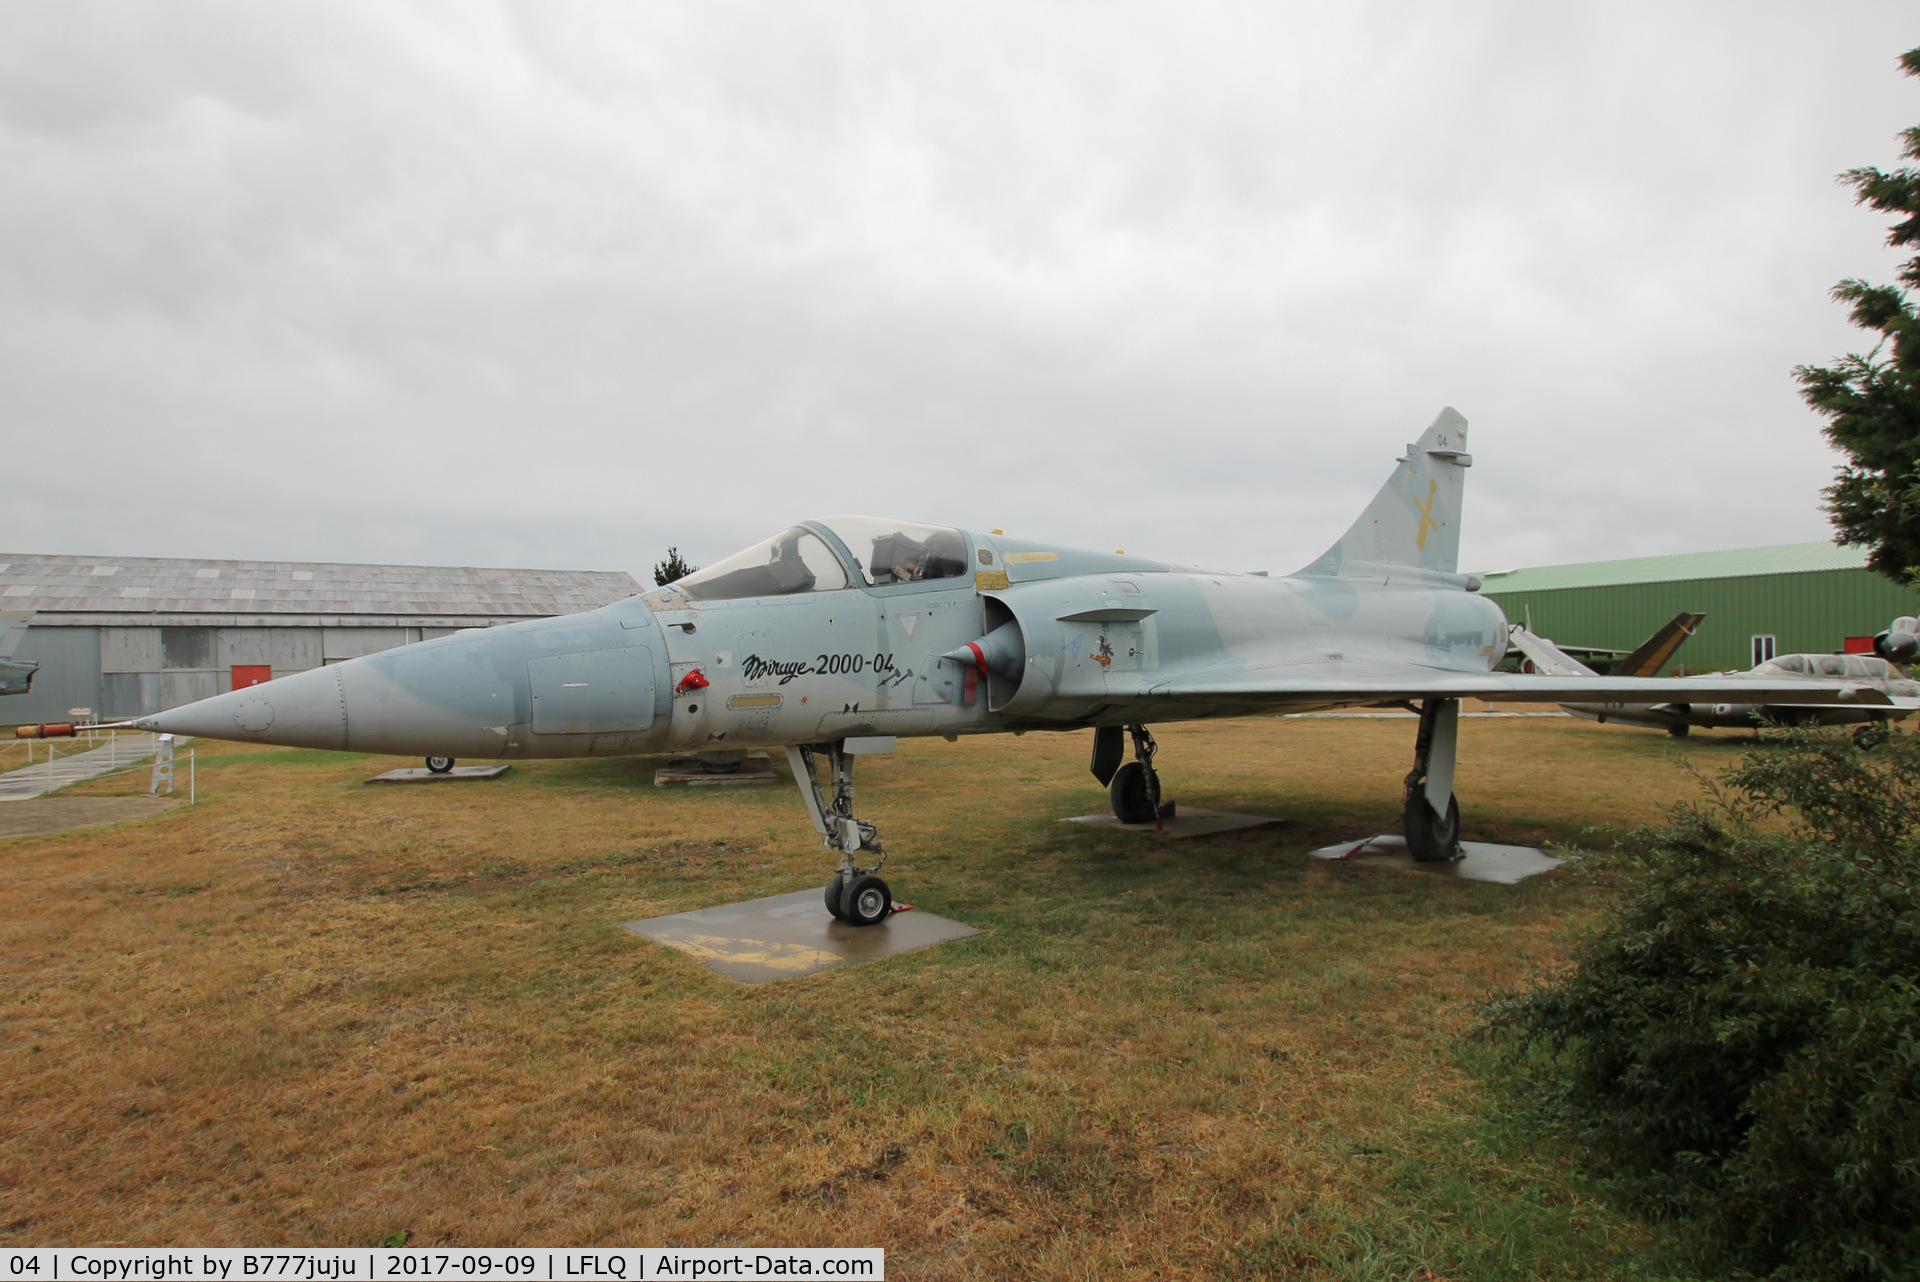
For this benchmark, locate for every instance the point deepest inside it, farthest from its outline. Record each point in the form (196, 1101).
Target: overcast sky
(560, 284)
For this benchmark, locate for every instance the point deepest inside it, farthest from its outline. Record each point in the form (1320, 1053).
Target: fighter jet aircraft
(1678, 716)
(836, 635)
(16, 675)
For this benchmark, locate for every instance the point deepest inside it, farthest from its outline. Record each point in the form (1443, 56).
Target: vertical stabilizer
(1658, 648)
(13, 626)
(1415, 518)
(1547, 657)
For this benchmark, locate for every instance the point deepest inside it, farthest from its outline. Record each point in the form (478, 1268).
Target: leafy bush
(1736, 1036)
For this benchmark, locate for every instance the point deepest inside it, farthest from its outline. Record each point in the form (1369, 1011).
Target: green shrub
(1737, 1037)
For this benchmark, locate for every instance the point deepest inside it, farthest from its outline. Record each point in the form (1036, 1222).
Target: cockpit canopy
(900, 551)
(798, 559)
(794, 560)
(1855, 667)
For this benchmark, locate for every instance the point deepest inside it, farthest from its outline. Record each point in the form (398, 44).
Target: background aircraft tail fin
(1415, 518)
(13, 625)
(1653, 653)
(1546, 656)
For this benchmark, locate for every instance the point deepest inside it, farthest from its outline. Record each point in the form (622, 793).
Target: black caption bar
(407, 1264)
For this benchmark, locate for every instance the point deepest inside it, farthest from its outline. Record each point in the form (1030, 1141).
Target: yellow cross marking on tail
(1426, 515)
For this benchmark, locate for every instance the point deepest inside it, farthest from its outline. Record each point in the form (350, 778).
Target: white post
(190, 778)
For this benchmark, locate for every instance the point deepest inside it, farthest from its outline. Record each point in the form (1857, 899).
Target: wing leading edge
(1339, 684)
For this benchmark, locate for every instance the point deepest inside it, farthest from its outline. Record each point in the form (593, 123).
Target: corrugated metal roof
(150, 585)
(1733, 563)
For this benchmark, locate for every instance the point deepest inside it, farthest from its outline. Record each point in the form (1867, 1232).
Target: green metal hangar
(128, 636)
(1808, 598)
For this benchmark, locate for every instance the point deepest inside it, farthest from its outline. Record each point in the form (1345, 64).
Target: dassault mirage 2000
(835, 635)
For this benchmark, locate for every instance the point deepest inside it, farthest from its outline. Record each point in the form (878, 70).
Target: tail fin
(1415, 518)
(1546, 656)
(1654, 652)
(13, 625)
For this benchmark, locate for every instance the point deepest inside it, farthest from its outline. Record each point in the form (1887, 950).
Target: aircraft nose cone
(304, 710)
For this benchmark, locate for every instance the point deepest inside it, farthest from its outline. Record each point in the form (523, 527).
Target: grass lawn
(310, 1011)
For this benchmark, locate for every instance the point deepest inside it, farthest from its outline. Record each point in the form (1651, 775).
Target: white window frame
(1764, 647)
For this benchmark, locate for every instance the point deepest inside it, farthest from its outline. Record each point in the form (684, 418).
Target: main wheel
(866, 901)
(836, 887)
(440, 765)
(1680, 730)
(1133, 791)
(1433, 838)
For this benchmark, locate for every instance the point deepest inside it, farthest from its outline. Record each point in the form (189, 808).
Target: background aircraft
(834, 636)
(16, 675)
(1856, 671)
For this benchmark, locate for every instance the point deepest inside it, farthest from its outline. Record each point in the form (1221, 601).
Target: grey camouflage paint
(1383, 617)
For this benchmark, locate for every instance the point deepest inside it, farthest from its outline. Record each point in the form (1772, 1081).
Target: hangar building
(1794, 598)
(126, 636)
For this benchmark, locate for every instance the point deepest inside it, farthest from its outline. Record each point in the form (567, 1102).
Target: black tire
(866, 901)
(440, 765)
(1431, 838)
(1133, 792)
(836, 886)
(1680, 731)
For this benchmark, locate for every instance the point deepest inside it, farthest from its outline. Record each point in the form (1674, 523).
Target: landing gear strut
(1433, 829)
(1135, 790)
(854, 894)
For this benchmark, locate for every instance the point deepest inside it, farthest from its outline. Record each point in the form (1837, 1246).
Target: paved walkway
(57, 772)
(59, 814)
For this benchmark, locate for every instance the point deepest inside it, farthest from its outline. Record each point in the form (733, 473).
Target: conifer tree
(674, 567)
(1872, 402)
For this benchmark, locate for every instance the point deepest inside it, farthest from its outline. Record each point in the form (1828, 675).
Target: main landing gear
(1134, 788)
(854, 894)
(1433, 832)
(440, 765)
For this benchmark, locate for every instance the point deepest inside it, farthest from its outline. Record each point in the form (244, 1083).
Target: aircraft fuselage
(665, 671)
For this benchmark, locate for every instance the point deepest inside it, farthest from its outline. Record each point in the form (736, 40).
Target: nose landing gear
(854, 894)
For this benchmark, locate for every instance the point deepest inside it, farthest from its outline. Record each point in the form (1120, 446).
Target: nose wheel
(854, 894)
(440, 765)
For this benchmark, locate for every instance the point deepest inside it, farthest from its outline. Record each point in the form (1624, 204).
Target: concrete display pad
(1479, 861)
(691, 772)
(1183, 823)
(786, 936)
(420, 774)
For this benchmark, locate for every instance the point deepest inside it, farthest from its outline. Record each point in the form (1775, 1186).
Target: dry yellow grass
(306, 1010)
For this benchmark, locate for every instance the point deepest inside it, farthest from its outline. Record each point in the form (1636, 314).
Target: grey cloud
(559, 285)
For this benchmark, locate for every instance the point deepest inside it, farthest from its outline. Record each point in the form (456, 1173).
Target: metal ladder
(162, 767)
